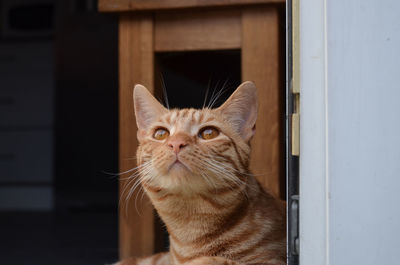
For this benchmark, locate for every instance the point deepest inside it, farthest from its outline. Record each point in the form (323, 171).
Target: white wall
(350, 172)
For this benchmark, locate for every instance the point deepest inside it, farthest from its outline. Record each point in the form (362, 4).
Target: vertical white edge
(314, 225)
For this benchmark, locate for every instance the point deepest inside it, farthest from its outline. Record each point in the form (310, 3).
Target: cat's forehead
(187, 117)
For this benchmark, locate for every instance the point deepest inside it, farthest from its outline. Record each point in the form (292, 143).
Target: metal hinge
(295, 117)
(294, 225)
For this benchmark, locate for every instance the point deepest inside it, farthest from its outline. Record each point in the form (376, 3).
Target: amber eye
(160, 134)
(208, 133)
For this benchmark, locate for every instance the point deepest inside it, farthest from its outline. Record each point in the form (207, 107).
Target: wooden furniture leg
(260, 63)
(136, 229)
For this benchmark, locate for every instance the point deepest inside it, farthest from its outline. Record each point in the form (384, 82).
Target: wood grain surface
(198, 30)
(140, 5)
(260, 64)
(136, 234)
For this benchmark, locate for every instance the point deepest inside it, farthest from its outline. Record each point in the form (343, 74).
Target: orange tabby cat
(194, 166)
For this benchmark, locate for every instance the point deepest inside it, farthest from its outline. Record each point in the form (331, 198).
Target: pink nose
(177, 144)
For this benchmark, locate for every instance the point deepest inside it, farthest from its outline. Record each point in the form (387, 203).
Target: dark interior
(197, 79)
(59, 133)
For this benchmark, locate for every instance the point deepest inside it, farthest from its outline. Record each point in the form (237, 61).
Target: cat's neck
(203, 213)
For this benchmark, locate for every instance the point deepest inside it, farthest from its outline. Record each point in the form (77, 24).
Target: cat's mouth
(178, 165)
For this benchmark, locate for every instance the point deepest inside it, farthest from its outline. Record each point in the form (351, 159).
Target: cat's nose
(177, 144)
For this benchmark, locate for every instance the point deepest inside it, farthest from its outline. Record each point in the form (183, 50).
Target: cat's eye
(160, 134)
(208, 133)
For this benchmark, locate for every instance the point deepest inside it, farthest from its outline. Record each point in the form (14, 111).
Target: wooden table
(256, 27)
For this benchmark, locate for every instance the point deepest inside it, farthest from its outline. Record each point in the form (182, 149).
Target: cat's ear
(240, 109)
(147, 108)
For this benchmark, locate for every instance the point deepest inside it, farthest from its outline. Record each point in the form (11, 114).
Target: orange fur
(213, 207)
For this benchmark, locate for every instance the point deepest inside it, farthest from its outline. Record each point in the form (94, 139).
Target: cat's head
(195, 150)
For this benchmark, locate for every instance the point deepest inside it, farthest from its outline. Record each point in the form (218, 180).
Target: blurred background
(58, 133)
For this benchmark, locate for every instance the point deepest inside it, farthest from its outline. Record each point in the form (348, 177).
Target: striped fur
(213, 207)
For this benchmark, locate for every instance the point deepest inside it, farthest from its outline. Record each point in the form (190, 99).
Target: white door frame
(313, 223)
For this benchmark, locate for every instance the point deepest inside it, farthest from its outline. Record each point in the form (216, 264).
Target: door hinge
(295, 124)
(295, 134)
(294, 225)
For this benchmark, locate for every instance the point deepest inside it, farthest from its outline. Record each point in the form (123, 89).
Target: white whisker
(165, 95)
